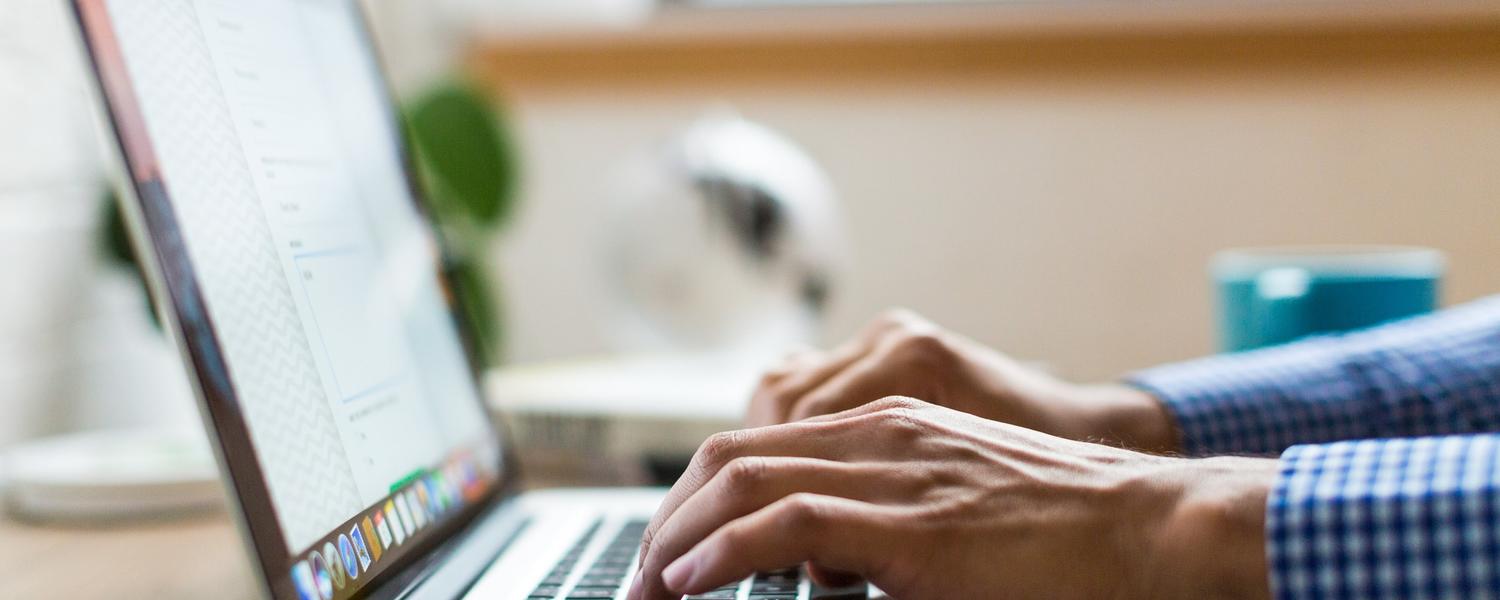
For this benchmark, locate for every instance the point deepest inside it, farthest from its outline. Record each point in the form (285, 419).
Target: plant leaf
(462, 146)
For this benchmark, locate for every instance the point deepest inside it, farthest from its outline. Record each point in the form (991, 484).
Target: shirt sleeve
(1399, 518)
(1432, 375)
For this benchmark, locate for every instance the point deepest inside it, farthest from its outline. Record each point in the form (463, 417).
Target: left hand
(928, 502)
(902, 354)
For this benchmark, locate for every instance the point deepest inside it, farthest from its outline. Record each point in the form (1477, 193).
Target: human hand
(928, 502)
(902, 354)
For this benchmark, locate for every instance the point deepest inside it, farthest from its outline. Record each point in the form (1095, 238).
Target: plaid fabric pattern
(1432, 375)
(1399, 518)
(1375, 518)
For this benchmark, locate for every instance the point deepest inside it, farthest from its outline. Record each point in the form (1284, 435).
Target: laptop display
(304, 280)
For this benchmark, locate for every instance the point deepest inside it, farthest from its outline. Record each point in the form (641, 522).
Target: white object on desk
(106, 475)
(680, 387)
(598, 419)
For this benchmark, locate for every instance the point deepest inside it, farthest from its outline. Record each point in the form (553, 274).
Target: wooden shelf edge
(743, 48)
(681, 26)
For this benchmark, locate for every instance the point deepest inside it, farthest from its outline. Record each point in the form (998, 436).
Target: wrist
(1212, 543)
(1128, 416)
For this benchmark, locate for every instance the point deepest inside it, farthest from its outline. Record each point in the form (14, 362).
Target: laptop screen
(303, 277)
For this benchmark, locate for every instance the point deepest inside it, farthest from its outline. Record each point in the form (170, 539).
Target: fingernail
(635, 588)
(679, 573)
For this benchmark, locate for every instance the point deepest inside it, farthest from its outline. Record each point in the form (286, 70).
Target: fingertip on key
(679, 574)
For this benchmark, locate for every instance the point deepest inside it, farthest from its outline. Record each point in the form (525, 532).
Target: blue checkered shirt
(1364, 507)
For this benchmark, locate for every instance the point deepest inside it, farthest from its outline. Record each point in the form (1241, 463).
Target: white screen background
(281, 163)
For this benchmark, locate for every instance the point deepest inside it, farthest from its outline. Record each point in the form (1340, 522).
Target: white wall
(1063, 211)
(77, 348)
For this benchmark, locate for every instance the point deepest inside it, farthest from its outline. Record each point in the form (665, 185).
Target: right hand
(903, 354)
(930, 503)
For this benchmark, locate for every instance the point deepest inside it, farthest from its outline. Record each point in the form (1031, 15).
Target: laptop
(271, 198)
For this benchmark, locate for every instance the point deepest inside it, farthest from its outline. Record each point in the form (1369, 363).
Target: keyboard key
(607, 571)
(715, 595)
(853, 592)
(590, 593)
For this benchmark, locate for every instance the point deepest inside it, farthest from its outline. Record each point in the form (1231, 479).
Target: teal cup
(1270, 296)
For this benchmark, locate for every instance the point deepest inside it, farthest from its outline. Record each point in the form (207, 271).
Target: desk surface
(197, 558)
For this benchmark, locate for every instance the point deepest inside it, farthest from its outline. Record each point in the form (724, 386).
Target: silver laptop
(270, 194)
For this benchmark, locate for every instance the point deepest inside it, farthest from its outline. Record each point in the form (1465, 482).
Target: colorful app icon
(470, 481)
(418, 512)
(361, 551)
(434, 504)
(405, 512)
(416, 500)
(302, 578)
(394, 519)
(335, 566)
(321, 575)
(383, 528)
(451, 482)
(440, 483)
(456, 479)
(424, 499)
(346, 552)
(369, 530)
(460, 479)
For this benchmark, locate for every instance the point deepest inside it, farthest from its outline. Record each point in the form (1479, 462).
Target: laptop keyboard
(606, 574)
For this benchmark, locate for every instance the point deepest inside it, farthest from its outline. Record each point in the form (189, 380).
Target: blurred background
(1050, 177)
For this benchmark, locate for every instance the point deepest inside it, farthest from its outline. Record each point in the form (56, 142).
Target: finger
(763, 408)
(837, 533)
(827, 440)
(884, 404)
(749, 484)
(871, 378)
(795, 361)
(772, 402)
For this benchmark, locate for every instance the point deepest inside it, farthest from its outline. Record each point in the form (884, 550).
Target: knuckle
(904, 423)
(892, 316)
(788, 366)
(770, 378)
(890, 403)
(801, 512)
(720, 447)
(923, 345)
(645, 550)
(744, 474)
(773, 380)
(897, 316)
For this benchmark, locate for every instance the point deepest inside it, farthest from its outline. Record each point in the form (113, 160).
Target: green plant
(467, 168)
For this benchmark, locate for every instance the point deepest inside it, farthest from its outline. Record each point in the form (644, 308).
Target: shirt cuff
(1398, 518)
(1261, 402)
